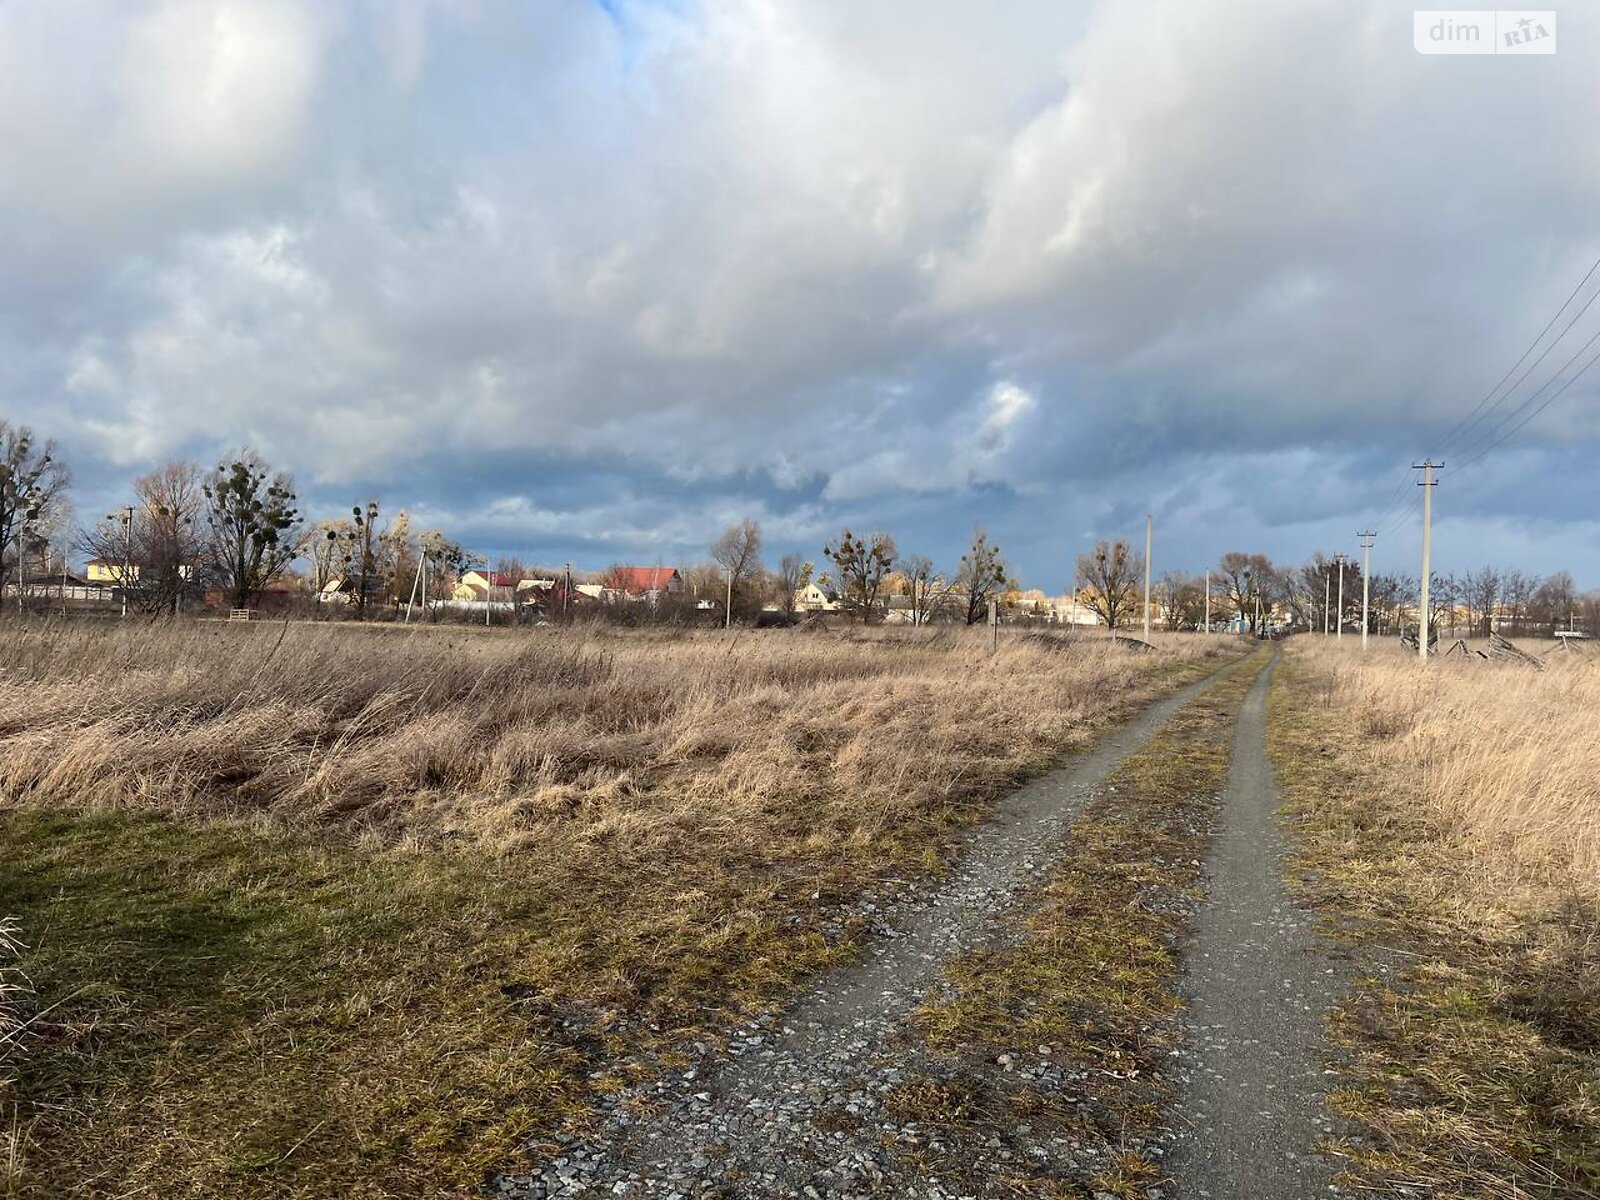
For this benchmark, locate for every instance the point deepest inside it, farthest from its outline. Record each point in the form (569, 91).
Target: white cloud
(824, 253)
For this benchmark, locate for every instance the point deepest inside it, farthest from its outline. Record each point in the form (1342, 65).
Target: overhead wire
(1480, 411)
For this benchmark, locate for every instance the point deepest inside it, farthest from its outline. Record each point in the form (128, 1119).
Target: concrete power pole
(1427, 484)
(127, 554)
(1340, 626)
(1208, 601)
(1367, 537)
(1327, 598)
(1149, 528)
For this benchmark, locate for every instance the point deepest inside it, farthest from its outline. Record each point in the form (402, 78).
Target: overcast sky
(592, 280)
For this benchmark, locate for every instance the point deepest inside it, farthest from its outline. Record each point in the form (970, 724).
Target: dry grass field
(335, 910)
(1449, 822)
(1508, 754)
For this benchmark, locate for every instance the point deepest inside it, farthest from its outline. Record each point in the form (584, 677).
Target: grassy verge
(1470, 1053)
(279, 1005)
(1063, 1033)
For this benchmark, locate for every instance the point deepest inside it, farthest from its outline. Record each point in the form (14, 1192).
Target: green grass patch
(252, 1013)
(1472, 1067)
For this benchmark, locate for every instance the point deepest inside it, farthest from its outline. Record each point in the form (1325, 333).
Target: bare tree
(928, 590)
(1481, 590)
(252, 523)
(1247, 578)
(982, 576)
(366, 564)
(1110, 573)
(794, 573)
(1180, 601)
(1520, 590)
(704, 581)
(33, 482)
(738, 553)
(155, 546)
(398, 558)
(447, 561)
(1556, 601)
(861, 563)
(1449, 598)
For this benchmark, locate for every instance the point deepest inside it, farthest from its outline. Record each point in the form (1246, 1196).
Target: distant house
(103, 570)
(482, 580)
(644, 583)
(813, 598)
(900, 611)
(476, 585)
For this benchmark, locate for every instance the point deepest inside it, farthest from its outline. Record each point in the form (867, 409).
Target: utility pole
(1340, 626)
(727, 616)
(1327, 598)
(416, 582)
(126, 517)
(1427, 466)
(1367, 537)
(1208, 601)
(1149, 529)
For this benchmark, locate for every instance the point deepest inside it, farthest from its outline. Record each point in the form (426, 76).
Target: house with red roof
(643, 583)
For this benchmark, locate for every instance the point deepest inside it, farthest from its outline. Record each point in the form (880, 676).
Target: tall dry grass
(13, 992)
(1508, 754)
(508, 740)
(454, 884)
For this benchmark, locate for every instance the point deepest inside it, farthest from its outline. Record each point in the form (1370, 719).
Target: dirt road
(1257, 989)
(794, 1107)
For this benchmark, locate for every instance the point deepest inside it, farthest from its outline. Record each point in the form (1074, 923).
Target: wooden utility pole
(1427, 484)
(1367, 537)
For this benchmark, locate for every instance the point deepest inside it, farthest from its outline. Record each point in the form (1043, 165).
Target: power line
(1403, 518)
(1501, 424)
(1394, 512)
(1479, 411)
(1548, 401)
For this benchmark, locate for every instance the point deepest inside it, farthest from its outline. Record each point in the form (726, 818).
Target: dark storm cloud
(596, 280)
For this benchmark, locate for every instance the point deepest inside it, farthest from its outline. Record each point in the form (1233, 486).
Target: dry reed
(1507, 754)
(502, 740)
(421, 890)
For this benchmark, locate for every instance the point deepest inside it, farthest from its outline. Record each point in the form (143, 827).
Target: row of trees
(237, 528)
(865, 571)
(1252, 588)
